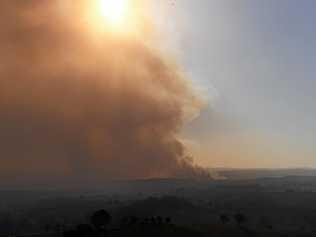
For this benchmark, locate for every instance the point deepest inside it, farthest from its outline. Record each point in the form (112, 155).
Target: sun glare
(120, 17)
(114, 12)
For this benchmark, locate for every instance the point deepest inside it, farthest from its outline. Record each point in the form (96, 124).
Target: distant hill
(246, 174)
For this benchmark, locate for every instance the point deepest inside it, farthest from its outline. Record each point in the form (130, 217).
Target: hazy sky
(256, 59)
(91, 108)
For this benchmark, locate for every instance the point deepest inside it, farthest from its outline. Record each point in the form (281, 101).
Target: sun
(114, 12)
(116, 17)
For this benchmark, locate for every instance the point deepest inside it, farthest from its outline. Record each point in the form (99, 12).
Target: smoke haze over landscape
(77, 105)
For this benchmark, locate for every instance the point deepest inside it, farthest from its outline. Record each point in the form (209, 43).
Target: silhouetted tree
(159, 220)
(240, 218)
(224, 218)
(168, 220)
(133, 220)
(101, 219)
(153, 221)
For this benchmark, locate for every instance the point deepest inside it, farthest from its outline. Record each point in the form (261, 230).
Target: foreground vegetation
(282, 207)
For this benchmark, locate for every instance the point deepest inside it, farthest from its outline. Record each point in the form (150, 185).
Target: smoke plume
(78, 106)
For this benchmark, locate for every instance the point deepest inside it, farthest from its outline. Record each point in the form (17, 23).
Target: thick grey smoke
(77, 107)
